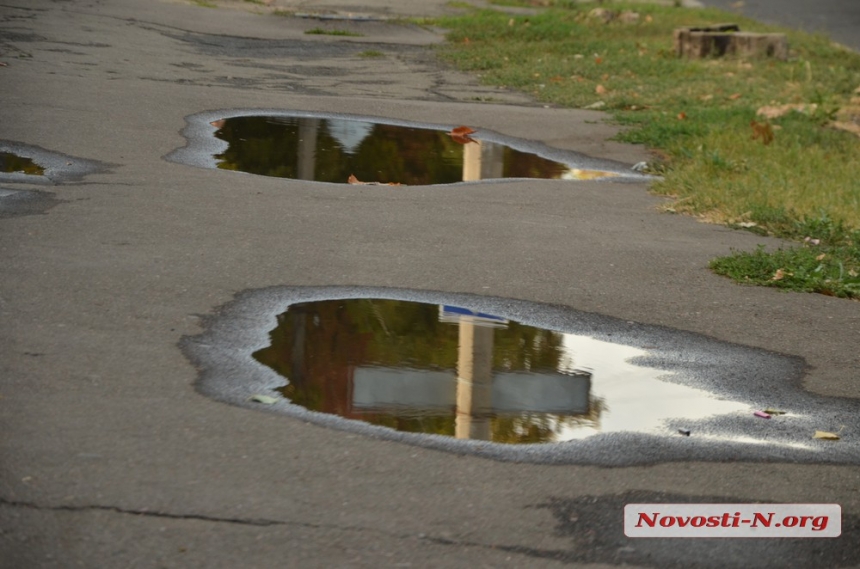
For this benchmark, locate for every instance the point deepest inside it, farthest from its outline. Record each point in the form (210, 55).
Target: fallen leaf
(778, 275)
(811, 241)
(706, 97)
(762, 131)
(825, 436)
(511, 22)
(684, 432)
(3, 64)
(735, 96)
(682, 116)
(770, 411)
(466, 41)
(598, 60)
(556, 79)
(356, 182)
(649, 19)
(462, 131)
(600, 90)
(821, 256)
(265, 399)
(747, 224)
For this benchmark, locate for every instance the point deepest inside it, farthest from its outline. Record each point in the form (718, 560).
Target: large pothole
(364, 150)
(512, 379)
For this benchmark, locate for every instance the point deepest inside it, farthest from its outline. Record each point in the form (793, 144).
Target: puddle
(10, 162)
(443, 370)
(511, 379)
(334, 149)
(34, 165)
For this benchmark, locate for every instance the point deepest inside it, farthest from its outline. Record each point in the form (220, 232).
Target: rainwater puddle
(511, 379)
(12, 163)
(444, 370)
(361, 150)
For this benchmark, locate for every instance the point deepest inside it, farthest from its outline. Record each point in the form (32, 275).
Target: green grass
(324, 32)
(695, 113)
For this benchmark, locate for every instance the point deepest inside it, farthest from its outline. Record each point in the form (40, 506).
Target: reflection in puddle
(442, 370)
(10, 163)
(331, 150)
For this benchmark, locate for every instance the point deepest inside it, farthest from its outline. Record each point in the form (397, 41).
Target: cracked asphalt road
(108, 455)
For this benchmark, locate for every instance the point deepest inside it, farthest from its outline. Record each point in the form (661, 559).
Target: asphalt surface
(116, 259)
(839, 19)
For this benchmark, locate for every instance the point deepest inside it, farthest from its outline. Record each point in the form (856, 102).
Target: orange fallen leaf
(462, 131)
(460, 135)
(556, 79)
(598, 60)
(827, 436)
(778, 275)
(353, 180)
(735, 96)
(821, 257)
(600, 90)
(466, 41)
(763, 131)
(682, 116)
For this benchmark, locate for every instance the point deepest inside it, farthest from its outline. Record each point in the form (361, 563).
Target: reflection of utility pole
(482, 160)
(298, 323)
(307, 148)
(474, 381)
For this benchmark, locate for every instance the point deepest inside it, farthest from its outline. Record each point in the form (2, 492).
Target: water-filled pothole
(34, 165)
(445, 370)
(592, 389)
(346, 149)
(13, 163)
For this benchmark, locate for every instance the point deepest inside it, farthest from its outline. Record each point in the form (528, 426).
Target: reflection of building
(476, 392)
(401, 365)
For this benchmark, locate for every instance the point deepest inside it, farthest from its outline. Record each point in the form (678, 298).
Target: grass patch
(205, 4)
(695, 113)
(324, 32)
(371, 54)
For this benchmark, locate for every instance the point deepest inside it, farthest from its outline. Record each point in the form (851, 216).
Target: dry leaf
(682, 116)
(598, 60)
(820, 257)
(763, 131)
(460, 135)
(556, 79)
(735, 96)
(466, 41)
(778, 275)
(825, 436)
(770, 411)
(356, 182)
(600, 90)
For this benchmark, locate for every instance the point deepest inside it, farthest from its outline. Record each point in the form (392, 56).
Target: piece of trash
(770, 411)
(811, 241)
(684, 432)
(824, 435)
(747, 224)
(264, 399)
(762, 414)
(640, 167)
(595, 106)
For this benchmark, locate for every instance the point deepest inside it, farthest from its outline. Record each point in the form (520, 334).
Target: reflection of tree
(318, 345)
(270, 147)
(525, 165)
(12, 163)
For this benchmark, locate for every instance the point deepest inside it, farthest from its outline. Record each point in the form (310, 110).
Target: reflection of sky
(635, 397)
(349, 133)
